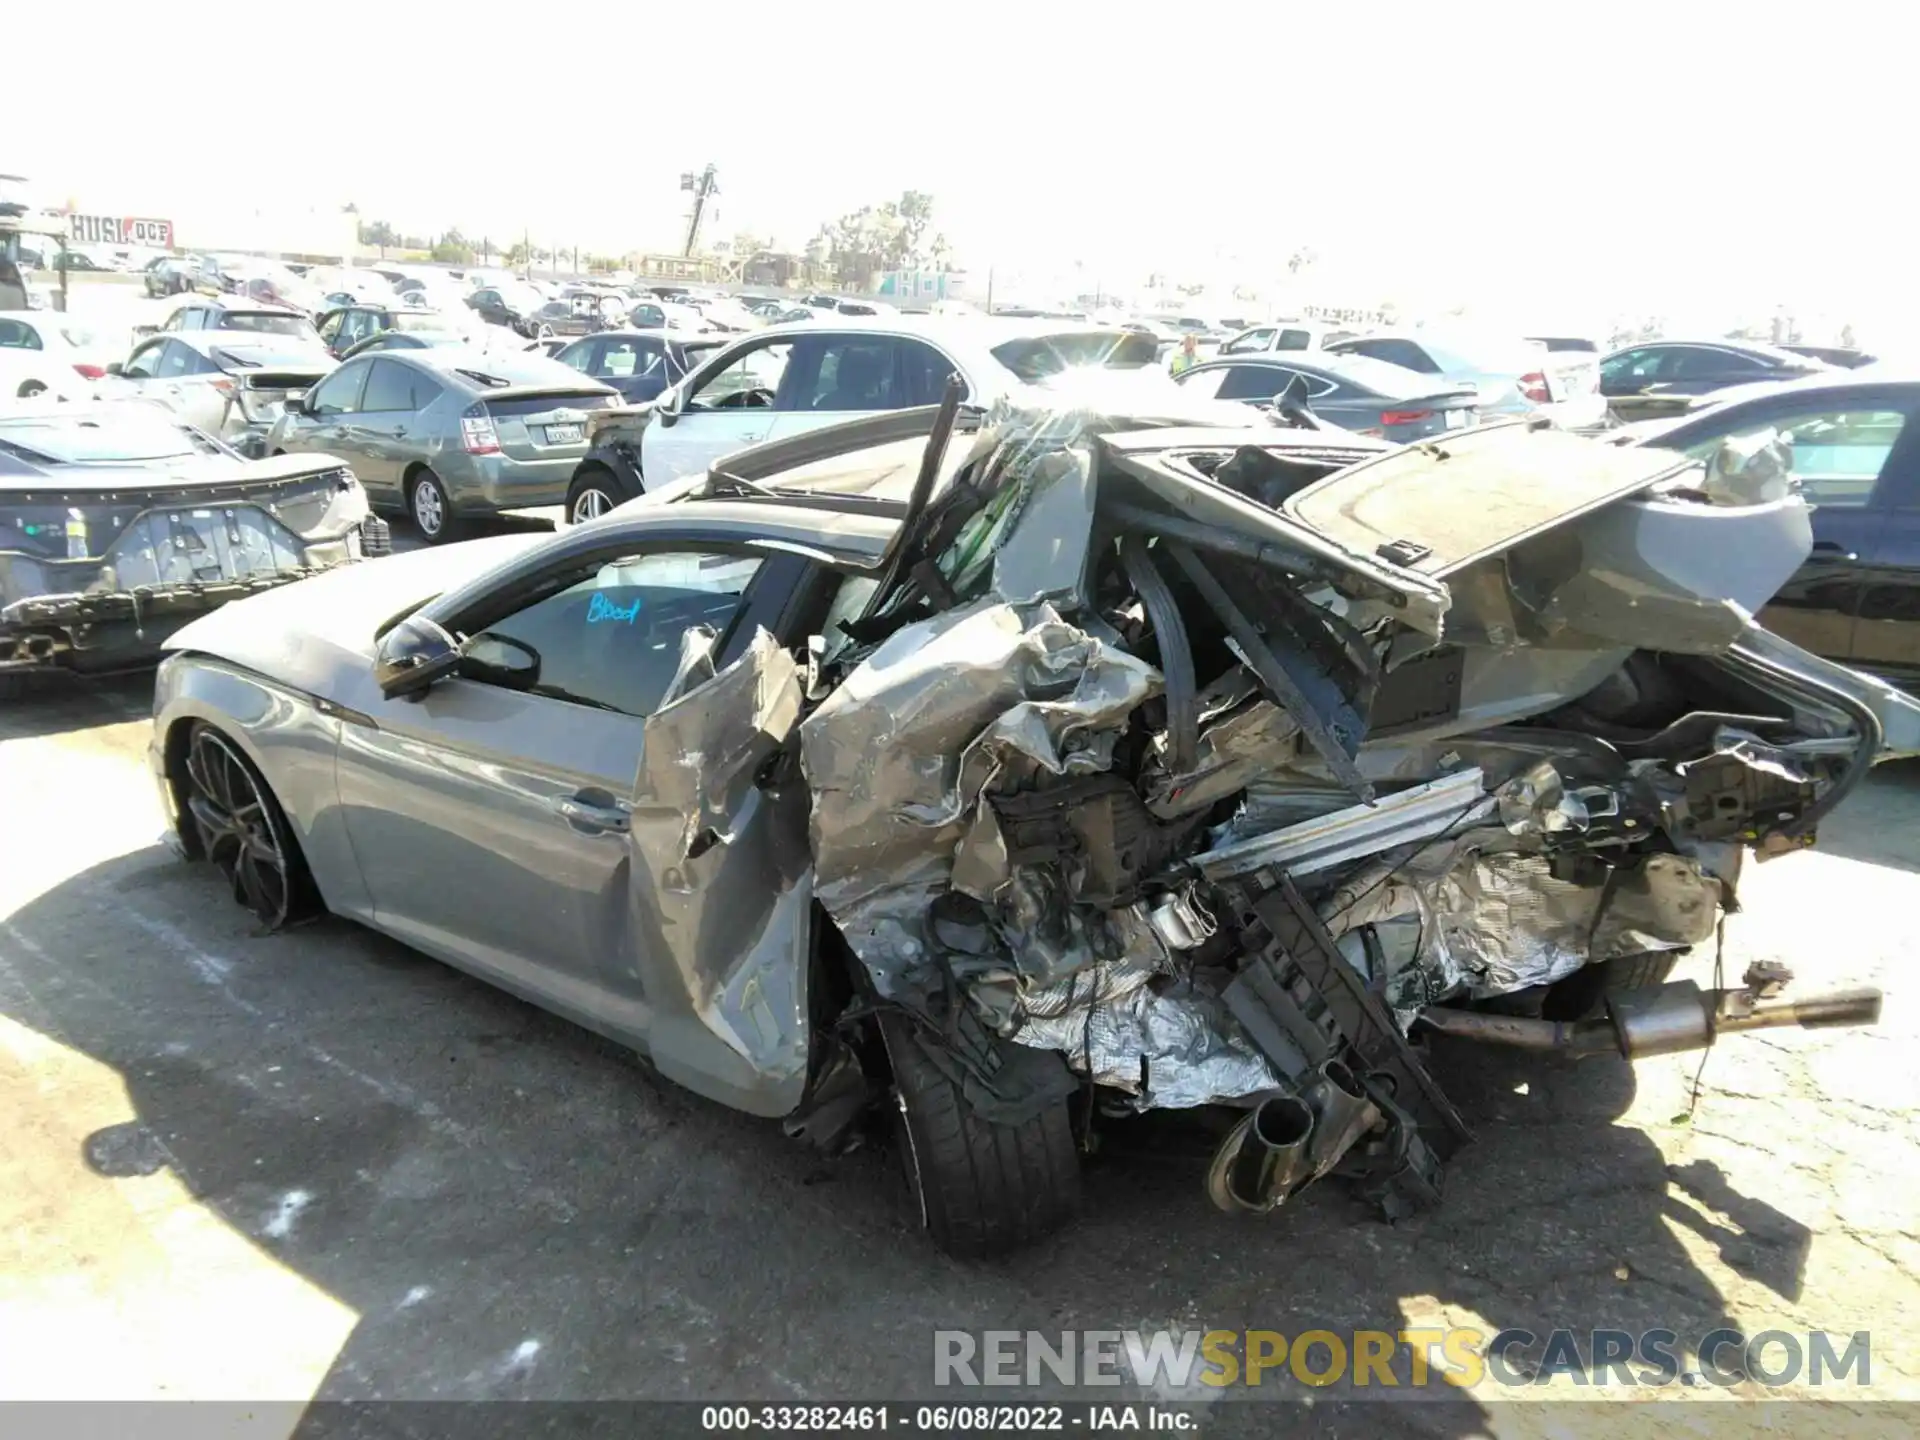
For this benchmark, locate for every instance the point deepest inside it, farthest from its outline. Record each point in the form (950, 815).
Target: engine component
(1096, 829)
(1182, 920)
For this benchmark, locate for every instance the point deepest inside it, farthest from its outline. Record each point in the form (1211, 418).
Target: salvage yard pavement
(316, 1164)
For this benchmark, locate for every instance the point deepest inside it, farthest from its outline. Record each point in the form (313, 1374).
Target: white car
(230, 383)
(787, 379)
(46, 353)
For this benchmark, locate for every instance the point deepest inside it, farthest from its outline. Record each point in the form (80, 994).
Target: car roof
(1743, 347)
(521, 369)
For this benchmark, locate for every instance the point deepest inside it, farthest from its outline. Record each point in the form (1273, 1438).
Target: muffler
(1289, 1141)
(1663, 1020)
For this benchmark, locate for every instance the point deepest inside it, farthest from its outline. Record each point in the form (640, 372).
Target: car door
(725, 406)
(490, 815)
(1855, 458)
(331, 407)
(1861, 470)
(387, 432)
(837, 377)
(196, 389)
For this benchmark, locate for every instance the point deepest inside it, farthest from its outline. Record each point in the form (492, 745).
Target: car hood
(308, 634)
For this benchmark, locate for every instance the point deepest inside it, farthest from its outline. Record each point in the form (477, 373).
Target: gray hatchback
(447, 434)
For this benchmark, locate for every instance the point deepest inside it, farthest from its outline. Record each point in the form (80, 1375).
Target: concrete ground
(260, 1166)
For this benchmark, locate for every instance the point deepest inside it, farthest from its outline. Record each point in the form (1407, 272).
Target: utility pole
(703, 186)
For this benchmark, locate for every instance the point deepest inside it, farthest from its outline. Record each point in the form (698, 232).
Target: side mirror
(296, 403)
(412, 656)
(115, 367)
(500, 661)
(667, 409)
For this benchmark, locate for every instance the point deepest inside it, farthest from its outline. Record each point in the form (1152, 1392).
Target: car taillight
(225, 387)
(1404, 417)
(90, 372)
(1534, 387)
(477, 432)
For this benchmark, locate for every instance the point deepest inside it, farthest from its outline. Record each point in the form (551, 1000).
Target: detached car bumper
(104, 579)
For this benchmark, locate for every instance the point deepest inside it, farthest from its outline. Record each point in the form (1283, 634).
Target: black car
(637, 363)
(1856, 451)
(1642, 381)
(498, 307)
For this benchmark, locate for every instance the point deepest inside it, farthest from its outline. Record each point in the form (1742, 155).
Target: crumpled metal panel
(1492, 922)
(899, 755)
(722, 898)
(1172, 1048)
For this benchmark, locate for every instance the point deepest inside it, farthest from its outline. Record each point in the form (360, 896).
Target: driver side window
(339, 393)
(612, 641)
(750, 382)
(144, 362)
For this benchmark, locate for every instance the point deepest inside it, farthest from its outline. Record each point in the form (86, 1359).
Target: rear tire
(31, 389)
(430, 509)
(594, 491)
(983, 1189)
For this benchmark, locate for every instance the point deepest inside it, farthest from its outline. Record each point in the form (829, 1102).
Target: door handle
(589, 813)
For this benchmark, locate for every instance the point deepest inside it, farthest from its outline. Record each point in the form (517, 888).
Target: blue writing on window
(601, 608)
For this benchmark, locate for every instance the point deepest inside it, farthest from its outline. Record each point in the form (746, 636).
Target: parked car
(638, 363)
(79, 260)
(447, 434)
(120, 522)
(343, 328)
(852, 807)
(1644, 381)
(419, 340)
(508, 307)
(1855, 451)
(44, 352)
(580, 315)
(785, 380)
(166, 275)
(549, 347)
(232, 384)
(1353, 392)
(346, 285)
(218, 312)
(1284, 335)
(1512, 377)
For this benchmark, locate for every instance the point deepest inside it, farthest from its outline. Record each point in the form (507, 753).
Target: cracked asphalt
(315, 1164)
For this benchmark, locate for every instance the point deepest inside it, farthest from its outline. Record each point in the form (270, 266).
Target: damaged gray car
(994, 777)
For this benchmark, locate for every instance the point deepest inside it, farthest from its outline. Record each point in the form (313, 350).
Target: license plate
(1457, 419)
(565, 434)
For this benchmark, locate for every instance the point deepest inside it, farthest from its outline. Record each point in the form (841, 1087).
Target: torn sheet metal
(898, 757)
(1233, 750)
(1170, 1048)
(1492, 922)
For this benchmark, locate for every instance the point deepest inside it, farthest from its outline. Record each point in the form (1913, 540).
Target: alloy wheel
(236, 827)
(590, 504)
(427, 511)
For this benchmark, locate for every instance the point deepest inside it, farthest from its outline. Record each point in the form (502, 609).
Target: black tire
(589, 482)
(1583, 994)
(237, 825)
(430, 509)
(30, 389)
(983, 1189)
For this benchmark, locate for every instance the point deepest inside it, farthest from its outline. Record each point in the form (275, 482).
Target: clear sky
(1548, 156)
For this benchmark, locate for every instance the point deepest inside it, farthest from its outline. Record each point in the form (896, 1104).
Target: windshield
(134, 435)
(1039, 357)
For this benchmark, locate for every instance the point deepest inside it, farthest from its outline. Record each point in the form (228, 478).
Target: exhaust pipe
(1664, 1020)
(1289, 1141)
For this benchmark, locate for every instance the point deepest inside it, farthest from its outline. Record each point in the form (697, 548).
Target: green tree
(452, 248)
(378, 233)
(519, 254)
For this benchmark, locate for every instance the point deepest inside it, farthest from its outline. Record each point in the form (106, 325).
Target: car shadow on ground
(514, 1208)
(58, 702)
(1875, 825)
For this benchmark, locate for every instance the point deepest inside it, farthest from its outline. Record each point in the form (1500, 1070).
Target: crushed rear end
(1220, 773)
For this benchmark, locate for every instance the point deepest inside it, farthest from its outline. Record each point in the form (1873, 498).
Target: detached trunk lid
(1437, 507)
